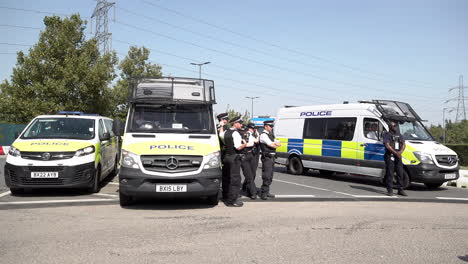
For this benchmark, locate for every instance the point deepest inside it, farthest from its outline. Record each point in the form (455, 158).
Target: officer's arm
(389, 148)
(238, 141)
(403, 146)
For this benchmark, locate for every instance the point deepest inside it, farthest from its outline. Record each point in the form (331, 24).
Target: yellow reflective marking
(313, 147)
(97, 153)
(284, 145)
(51, 145)
(408, 156)
(171, 148)
(349, 149)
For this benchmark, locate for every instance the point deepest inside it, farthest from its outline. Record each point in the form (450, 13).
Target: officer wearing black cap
(247, 155)
(222, 128)
(232, 163)
(268, 145)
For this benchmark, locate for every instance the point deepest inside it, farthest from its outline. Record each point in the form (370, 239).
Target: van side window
(340, 128)
(373, 129)
(313, 128)
(101, 129)
(108, 124)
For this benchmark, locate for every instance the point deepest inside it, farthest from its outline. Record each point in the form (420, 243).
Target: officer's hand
(399, 154)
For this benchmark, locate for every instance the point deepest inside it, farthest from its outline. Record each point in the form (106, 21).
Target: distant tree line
(456, 133)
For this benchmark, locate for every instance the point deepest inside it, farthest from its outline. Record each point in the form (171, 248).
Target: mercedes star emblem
(172, 163)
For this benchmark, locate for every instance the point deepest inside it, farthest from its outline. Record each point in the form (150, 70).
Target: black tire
(305, 171)
(433, 185)
(326, 172)
(295, 166)
(95, 187)
(125, 200)
(213, 199)
(16, 191)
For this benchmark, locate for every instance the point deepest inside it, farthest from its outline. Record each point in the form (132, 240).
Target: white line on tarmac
(294, 196)
(452, 198)
(5, 194)
(373, 196)
(311, 187)
(113, 183)
(57, 201)
(105, 194)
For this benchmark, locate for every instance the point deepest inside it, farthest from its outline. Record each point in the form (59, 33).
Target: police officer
(247, 156)
(222, 128)
(394, 147)
(268, 144)
(232, 163)
(256, 148)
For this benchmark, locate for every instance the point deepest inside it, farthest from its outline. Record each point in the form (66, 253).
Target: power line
(102, 35)
(276, 67)
(319, 58)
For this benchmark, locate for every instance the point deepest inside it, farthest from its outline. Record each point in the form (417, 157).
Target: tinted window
(108, 124)
(372, 129)
(313, 128)
(340, 128)
(60, 127)
(101, 130)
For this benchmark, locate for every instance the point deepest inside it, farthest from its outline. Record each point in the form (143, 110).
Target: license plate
(450, 176)
(44, 174)
(171, 188)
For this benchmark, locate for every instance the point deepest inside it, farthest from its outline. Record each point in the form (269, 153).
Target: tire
(405, 183)
(295, 166)
(326, 172)
(213, 199)
(305, 171)
(433, 185)
(16, 191)
(125, 200)
(96, 182)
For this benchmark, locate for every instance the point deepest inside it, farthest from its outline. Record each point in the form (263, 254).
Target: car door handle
(364, 145)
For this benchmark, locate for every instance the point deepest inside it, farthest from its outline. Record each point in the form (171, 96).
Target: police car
(70, 149)
(348, 138)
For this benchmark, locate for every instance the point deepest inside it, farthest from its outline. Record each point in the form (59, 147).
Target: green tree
(233, 113)
(134, 65)
(62, 71)
(456, 133)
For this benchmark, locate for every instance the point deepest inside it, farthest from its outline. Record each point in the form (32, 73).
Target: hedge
(462, 151)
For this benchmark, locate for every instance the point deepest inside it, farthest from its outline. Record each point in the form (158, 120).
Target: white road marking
(105, 194)
(452, 198)
(311, 187)
(374, 196)
(57, 201)
(294, 196)
(113, 183)
(5, 194)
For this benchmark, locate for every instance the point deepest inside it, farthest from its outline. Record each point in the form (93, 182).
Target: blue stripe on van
(331, 148)
(374, 152)
(296, 145)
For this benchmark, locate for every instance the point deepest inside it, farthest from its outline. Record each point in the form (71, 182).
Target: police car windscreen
(176, 118)
(68, 128)
(414, 131)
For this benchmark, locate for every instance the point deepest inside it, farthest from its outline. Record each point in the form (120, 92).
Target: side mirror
(105, 136)
(118, 127)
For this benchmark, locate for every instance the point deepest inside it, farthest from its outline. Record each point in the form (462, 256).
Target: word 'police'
(318, 113)
(171, 147)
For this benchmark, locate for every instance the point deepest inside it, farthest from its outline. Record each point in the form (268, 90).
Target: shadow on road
(369, 189)
(464, 258)
(169, 204)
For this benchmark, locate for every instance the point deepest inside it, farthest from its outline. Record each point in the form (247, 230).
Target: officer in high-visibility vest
(232, 163)
(268, 144)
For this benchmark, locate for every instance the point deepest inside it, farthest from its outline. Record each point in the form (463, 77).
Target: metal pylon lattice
(102, 35)
(460, 99)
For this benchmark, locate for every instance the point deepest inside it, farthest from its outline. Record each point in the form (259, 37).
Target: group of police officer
(241, 148)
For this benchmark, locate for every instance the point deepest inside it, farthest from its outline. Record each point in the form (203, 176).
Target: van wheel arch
(295, 165)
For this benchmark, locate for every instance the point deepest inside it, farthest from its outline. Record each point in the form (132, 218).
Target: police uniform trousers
(392, 166)
(231, 177)
(268, 163)
(255, 159)
(246, 164)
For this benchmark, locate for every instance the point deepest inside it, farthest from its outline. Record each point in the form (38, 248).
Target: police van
(67, 150)
(258, 122)
(170, 145)
(348, 138)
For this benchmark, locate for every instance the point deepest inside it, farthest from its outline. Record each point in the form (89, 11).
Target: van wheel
(295, 166)
(326, 172)
(213, 199)
(95, 187)
(125, 200)
(433, 185)
(16, 191)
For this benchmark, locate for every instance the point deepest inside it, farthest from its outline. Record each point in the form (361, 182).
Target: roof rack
(395, 111)
(172, 89)
(75, 113)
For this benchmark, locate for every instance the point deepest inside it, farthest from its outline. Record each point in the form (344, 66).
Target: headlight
(85, 151)
(130, 159)
(423, 157)
(14, 152)
(214, 160)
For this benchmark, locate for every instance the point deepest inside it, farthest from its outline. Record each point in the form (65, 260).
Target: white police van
(67, 150)
(170, 147)
(348, 138)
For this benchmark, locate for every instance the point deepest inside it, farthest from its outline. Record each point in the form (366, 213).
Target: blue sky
(286, 52)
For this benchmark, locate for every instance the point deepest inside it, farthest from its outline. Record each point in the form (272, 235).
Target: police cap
(269, 122)
(237, 119)
(251, 125)
(222, 116)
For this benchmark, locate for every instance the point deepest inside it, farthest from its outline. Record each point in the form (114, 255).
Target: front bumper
(79, 176)
(430, 173)
(133, 182)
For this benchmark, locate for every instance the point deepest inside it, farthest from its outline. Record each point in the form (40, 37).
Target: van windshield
(414, 131)
(68, 128)
(174, 118)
